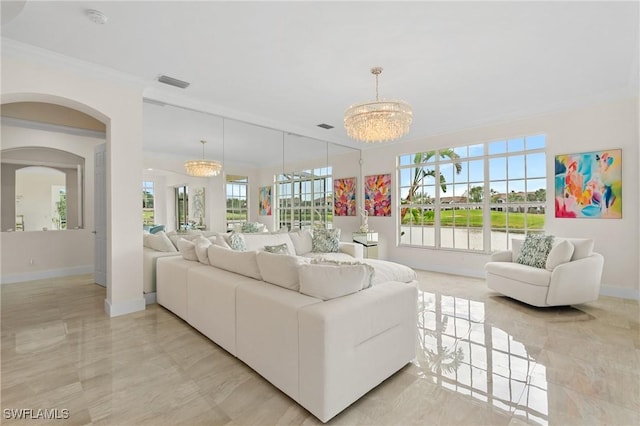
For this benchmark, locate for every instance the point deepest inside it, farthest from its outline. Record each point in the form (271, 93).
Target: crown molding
(12, 49)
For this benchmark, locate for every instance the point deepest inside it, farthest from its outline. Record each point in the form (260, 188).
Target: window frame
(241, 184)
(434, 163)
(319, 210)
(146, 184)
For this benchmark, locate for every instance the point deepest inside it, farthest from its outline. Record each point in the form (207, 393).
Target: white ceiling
(293, 65)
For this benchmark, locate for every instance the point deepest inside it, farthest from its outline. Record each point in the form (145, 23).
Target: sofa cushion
(560, 253)
(326, 240)
(187, 249)
(518, 272)
(159, 242)
(330, 281)
(241, 262)
(175, 236)
(221, 240)
(535, 249)
(302, 241)
(260, 240)
(281, 270)
(201, 246)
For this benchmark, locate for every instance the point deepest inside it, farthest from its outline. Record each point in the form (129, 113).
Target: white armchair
(560, 283)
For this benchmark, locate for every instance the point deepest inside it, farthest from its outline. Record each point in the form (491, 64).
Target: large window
(305, 199)
(473, 197)
(236, 200)
(148, 210)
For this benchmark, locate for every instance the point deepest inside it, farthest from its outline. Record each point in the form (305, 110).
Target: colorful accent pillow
(279, 249)
(535, 249)
(325, 240)
(236, 242)
(249, 227)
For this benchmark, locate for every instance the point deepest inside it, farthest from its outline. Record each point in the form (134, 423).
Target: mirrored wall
(269, 176)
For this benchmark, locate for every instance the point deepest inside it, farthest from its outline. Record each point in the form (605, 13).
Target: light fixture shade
(379, 120)
(203, 168)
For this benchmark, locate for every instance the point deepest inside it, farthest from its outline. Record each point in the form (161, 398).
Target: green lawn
(474, 219)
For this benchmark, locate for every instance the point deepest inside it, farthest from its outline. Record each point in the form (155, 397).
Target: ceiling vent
(325, 126)
(173, 82)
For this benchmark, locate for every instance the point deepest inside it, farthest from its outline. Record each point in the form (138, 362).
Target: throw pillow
(159, 242)
(325, 240)
(187, 249)
(559, 254)
(279, 249)
(330, 281)
(250, 227)
(221, 240)
(281, 270)
(302, 241)
(370, 270)
(201, 245)
(241, 262)
(236, 242)
(535, 249)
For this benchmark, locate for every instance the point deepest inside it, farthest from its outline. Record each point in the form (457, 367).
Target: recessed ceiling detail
(173, 82)
(97, 17)
(325, 126)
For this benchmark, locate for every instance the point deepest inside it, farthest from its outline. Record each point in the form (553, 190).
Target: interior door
(100, 214)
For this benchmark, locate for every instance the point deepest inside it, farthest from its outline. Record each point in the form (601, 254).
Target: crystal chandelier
(378, 121)
(203, 168)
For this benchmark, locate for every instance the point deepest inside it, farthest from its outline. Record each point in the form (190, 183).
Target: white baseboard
(150, 298)
(123, 308)
(43, 275)
(622, 293)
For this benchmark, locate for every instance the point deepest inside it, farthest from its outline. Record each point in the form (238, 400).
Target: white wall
(45, 77)
(605, 126)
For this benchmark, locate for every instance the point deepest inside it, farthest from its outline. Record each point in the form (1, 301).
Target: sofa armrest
(350, 344)
(576, 282)
(502, 256)
(352, 249)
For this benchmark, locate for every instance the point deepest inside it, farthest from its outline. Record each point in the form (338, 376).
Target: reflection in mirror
(236, 193)
(305, 187)
(42, 189)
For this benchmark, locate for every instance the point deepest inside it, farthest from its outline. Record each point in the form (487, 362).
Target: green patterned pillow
(236, 242)
(535, 249)
(325, 240)
(279, 249)
(249, 227)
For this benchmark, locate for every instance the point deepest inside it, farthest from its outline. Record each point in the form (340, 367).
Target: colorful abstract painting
(344, 197)
(377, 195)
(265, 201)
(589, 185)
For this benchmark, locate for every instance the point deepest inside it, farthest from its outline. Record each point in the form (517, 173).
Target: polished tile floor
(483, 360)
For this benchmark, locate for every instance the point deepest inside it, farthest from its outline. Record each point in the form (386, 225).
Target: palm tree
(421, 172)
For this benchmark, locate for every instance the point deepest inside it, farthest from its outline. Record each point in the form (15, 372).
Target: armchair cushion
(560, 253)
(518, 272)
(535, 249)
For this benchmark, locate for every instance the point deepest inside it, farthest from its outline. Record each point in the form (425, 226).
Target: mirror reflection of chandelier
(378, 121)
(203, 168)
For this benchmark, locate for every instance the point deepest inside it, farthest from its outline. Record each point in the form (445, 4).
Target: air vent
(325, 126)
(173, 82)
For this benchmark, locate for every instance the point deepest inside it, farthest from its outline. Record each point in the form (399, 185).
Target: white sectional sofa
(324, 354)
